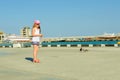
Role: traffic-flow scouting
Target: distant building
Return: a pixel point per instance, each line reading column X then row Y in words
column 118, row 34
column 14, row 38
column 25, row 32
column 2, row 35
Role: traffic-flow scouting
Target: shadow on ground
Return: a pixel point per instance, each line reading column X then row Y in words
column 29, row 59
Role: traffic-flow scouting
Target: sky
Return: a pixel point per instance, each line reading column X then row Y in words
column 61, row 18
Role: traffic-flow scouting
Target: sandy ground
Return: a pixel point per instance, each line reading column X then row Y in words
column 60, row 64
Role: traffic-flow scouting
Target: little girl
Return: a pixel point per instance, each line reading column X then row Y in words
column 36, row 39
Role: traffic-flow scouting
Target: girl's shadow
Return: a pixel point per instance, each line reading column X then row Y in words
column 29, row 59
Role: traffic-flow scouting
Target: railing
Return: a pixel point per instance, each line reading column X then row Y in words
column 114, row 43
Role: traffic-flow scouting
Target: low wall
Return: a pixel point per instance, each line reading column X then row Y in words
column 21, row 45
column 80, row 45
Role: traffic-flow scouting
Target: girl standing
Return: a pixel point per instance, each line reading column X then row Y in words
column 36, row 39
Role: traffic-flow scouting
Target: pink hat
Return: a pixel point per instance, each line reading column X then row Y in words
column 36, row 22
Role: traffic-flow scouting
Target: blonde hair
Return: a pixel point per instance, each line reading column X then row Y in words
column 34, row 25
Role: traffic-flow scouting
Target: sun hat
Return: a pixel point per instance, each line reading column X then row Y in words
column 36, row 22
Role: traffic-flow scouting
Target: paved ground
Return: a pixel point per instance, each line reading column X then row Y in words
column 60, row 64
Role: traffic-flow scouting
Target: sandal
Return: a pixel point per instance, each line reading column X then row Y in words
column 36, row 61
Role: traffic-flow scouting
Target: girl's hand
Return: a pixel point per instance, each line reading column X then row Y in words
column 40, row 35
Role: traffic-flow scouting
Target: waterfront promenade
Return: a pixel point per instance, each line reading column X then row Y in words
column 60, row 64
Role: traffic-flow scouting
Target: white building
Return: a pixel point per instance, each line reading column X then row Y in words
column 25, row 32
column 14, row 38
column 2, row 35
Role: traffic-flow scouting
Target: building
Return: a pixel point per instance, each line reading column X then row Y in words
column 25, row 32
column 14, row 38
column 2, row 35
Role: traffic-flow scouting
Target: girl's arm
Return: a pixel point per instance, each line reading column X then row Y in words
column 33, row 33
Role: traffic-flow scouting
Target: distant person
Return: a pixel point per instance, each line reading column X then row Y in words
column 81, row 49
column 36, row 34
column 84, row 50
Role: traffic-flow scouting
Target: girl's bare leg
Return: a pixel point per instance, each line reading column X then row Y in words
column 35, row 52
